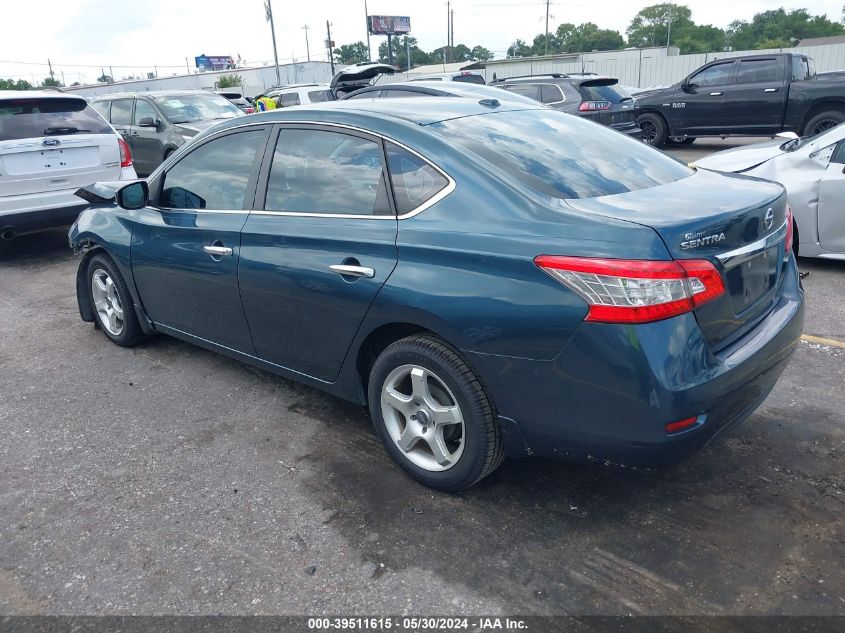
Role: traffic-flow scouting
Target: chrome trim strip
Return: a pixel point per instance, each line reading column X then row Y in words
column 449, row 188
column 744, row 253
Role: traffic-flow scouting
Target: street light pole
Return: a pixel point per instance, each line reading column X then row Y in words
column 268, row 9
column 367, row 19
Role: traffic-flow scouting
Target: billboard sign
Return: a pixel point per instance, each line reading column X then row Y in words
column 389, row 24
column 214, row 62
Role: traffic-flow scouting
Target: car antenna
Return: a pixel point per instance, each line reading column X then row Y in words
column 490, row 103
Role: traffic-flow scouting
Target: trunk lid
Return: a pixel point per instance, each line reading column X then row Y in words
column 51, row 143
column 741, row 232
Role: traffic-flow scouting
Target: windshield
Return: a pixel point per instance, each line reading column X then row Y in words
column 190, row 108
column 36, row 117
column 562, row 156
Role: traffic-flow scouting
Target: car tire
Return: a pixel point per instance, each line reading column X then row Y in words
column 433, row 415
column 112, row 305
column 655, row 130
column 823, row 121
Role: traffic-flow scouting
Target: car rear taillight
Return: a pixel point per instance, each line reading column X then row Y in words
column 635, row 291
column 125, row 154
column 593, row 106
column 790, row 233
column 249, row 110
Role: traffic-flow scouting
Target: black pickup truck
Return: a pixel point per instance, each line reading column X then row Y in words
column 759, row 95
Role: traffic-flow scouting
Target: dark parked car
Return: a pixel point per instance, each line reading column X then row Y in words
column 759, row 95
column 435, row 89
column 155, row 124
column 593, row 97
column 485, row 288
column 239, row 100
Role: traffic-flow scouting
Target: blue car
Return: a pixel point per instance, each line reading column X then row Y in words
column 492, row 279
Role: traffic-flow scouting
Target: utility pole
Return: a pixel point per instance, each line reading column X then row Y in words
column 669, row 28
column 51, row 68
column 408, row 52
column 187, row 67
column 547, row 27
column 268, row 11
column 111, row 74
column 307, row 48
column 329, row 44
column 448, row 30
column 367, row 19
column 452, row 34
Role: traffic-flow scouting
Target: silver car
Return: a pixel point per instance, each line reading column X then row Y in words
column 813, row 172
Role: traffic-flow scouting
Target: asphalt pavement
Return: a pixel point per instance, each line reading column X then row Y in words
column 167, row 479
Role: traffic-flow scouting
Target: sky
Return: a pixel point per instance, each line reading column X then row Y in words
column 138, row 36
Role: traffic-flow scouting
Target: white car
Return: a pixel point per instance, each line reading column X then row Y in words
column 813, row 171
column 51, row 144
column 347, row 79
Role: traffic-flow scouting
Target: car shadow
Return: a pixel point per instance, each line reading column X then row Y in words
column 36, row 248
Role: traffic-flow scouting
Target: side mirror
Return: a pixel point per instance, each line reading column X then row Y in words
column 134, row 195
column 147, row 121
column 686, row 86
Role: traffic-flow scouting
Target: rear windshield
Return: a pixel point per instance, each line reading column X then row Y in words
column 470, row 79
column 603, row 92
column 316, row 96
column 37, row 117
column 562, row 156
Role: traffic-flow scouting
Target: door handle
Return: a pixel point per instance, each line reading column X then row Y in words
column 352, row 271
column 217, row 251
column 770, row 90
column 715, row 94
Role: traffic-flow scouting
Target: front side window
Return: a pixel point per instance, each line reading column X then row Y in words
column 317, row 171
column 144, row 110
column 717, row 75
column 102, row 107
column 287, row 99
column 752, row 71
column 839, row 154
column 121, row 111
column 215, row 175
column 532, row 91
column 414, row 180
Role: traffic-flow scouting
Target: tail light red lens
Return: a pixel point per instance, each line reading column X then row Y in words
column 125, row 154
column 593, row 106
column 790, row 230
column 635, row 291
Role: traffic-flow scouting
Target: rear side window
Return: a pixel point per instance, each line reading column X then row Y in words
column 317, row 96
column 121, row 111
column 414, row 180
column 288, row 99
column 532, row 91
column 470, row 79
column 800, row 69
column 317, row 171
column 34, row 118
column 214, row 175
column 752, row 71
column 602, row 92
column 561, row 156
column 551, row 93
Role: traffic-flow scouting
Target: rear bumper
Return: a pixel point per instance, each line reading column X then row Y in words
column 609, row 395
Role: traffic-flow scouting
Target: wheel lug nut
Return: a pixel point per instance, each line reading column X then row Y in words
column 425, row 429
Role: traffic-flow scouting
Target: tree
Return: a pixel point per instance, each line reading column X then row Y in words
column 481, row 54
column 229, row 81
column 519, row 49
column 11, row 84
column 779, row 28
column 418, row 56
column 351, row 53
column 50, row 82
column 650, row 27
column 105, row 79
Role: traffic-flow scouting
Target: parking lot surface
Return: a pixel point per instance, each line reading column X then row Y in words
column 167, row 479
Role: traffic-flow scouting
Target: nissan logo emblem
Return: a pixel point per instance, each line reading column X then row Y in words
column 51, row 142
column 769, row 219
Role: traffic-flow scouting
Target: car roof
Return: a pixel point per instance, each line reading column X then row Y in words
column 451, row 88
column 152, row 93
column 574, row 78
column 39, row 94
column 418, row 110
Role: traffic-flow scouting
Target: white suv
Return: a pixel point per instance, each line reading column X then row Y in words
column 51, row 144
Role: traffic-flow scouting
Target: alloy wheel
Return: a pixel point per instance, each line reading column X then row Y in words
column 824, row 124
column 649, row 131
column 423, row 417
column 107, row 302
